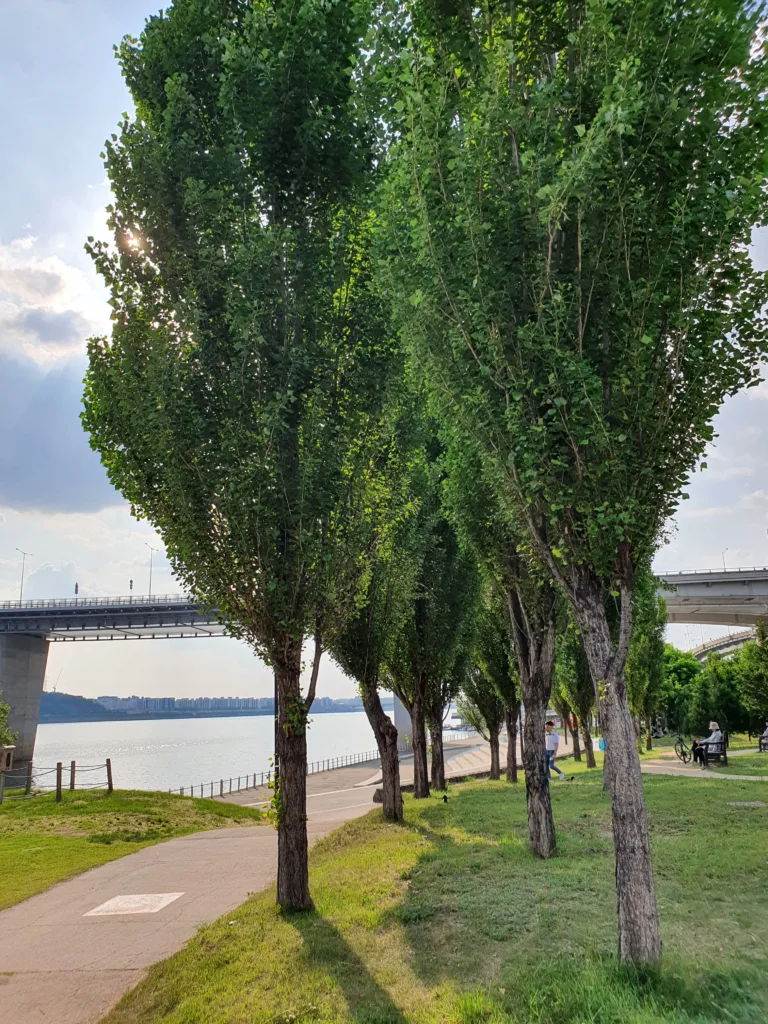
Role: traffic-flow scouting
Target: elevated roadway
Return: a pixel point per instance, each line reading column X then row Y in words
column 731, row 597
column 716, row 597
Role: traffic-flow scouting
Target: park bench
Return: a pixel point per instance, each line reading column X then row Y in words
column 716, row 752
column 763, row 744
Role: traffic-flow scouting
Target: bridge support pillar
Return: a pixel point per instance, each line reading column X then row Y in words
column 402, row 722
column 22, row 674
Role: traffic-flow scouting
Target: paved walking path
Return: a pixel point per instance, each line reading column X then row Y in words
column 59, row 965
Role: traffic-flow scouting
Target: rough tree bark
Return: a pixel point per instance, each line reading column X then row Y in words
column 419, row 744
column 495, row 772
column 386, row 740
column 575, row 734
column 511, row 715
column 535, row 651
column 291, row 739
column 639, row 939
column 435, row 719
column 588, row 747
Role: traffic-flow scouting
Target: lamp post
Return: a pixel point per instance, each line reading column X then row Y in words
column 722, row 555
column 24, row 556
column 151, row 554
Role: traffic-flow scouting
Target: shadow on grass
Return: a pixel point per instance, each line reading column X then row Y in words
column 326, row 949
column 532, row 942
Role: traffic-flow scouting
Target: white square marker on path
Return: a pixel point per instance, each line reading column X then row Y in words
column 144, row 903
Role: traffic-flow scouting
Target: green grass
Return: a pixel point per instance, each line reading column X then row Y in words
column 54, row 841
column 746, row 764
column 447, row 919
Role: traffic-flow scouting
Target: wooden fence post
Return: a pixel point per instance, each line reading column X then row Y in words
column 59, row 768
column 2, row 785
column 28, row 783
column 109, row 775
column 72, row 777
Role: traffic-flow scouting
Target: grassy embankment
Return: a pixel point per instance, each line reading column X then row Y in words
column 448, row 920
column 54, row 841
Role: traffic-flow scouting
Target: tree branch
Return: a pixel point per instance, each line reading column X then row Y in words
column 315, row 669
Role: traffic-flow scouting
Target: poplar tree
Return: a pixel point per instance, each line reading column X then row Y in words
column 236, row 404
column 572, row 194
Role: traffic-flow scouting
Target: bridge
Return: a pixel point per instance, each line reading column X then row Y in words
column 731, row 597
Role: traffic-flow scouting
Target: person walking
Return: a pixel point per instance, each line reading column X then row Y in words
column 552, row 742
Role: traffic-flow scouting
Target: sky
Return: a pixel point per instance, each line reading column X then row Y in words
column 61, row 95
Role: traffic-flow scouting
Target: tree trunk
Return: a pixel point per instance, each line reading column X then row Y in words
column 648, row 736
column 435, row 717
column 535, row 651
column 495, row 764
column 521, row 731
column 511, row 716
column 638, row 926
column 292, row 863
column 588, row 748
column 419, row 744
column 386, row 740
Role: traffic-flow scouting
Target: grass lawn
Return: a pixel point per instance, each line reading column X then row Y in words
column 54, row 841
column 746, row 764
column 447, row 919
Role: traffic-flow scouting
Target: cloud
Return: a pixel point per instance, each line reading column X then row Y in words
column 47, row 306
column 46, row 463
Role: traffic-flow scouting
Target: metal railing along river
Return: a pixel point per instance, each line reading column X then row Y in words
column 257, row 780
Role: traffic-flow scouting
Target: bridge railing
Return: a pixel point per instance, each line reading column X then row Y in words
column 97, row 602
column 710, row 572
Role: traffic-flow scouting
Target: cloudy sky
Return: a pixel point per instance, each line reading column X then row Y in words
column 61, row 94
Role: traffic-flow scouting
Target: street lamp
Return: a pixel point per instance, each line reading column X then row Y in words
column 723, row 558
column 151, row 554
column 24, row 556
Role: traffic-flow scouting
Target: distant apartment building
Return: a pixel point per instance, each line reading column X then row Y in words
column 138, row 705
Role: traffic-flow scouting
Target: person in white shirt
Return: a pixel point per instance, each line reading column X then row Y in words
column 553, row 742
column 715, row 737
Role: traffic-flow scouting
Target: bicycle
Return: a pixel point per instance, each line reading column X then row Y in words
column 683, row 751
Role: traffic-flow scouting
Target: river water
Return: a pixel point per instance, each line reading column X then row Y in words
column 169, row 753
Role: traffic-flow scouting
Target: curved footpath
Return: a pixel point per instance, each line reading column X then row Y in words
column 61, row 962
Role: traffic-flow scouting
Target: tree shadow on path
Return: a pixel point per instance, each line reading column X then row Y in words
column 327, row 950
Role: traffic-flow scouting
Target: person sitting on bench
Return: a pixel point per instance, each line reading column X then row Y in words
column 715, row 737
column 763, row 744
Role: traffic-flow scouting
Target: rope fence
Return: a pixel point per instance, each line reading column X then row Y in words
column 23, row 782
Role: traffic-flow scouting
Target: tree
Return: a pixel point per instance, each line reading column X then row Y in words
column 716, row 695
column 645, row 661
column 7, row 738
column 237, row 403
column 679, row 679
column 573, row 678
column 753, row 674
column 488, row 691
column 571, row 199
column 431, row 639
column 528, row 602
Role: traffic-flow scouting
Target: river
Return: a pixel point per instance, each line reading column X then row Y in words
column 169, row 753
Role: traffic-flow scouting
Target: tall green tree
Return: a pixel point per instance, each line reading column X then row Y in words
column 489, row 695
column 573, row 678
column 432, row 638
column 529, row 604
column 237, row 403
column 716, row 695
column 680, row 678
column 572, row 196
column 645, row 660
column 753, row 675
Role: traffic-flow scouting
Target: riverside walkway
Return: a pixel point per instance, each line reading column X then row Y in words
column 60, row 962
